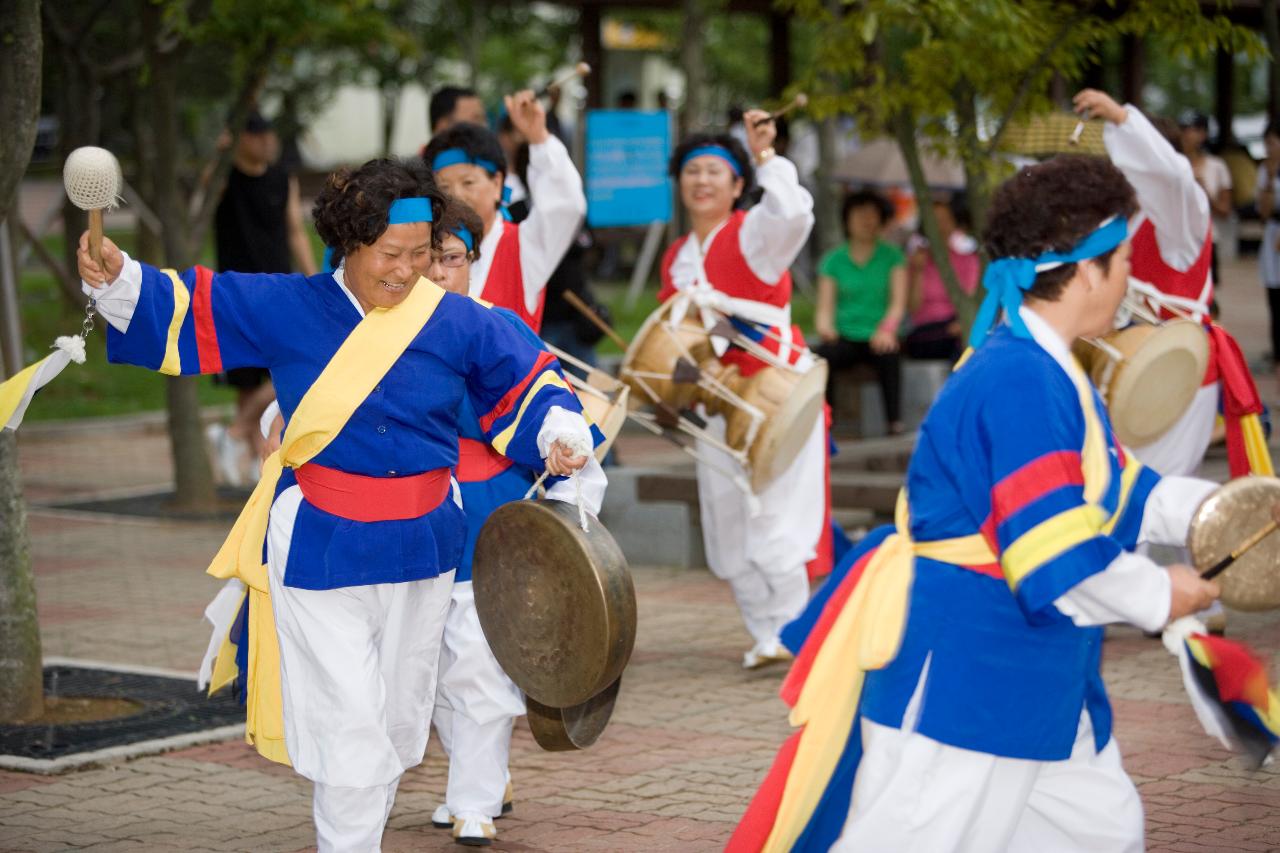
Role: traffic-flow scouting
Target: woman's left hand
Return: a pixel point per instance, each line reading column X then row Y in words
column 884, row 342
column 561, row 461
column 759, row 137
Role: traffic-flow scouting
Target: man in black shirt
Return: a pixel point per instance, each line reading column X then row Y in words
column 257, row 228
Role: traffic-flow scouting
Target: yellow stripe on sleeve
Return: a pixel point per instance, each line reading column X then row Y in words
column 548, row 378
column 1048, row 539
column 1128, row 477
column 172, row 364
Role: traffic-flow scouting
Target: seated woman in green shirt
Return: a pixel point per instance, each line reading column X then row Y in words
column 862, row 298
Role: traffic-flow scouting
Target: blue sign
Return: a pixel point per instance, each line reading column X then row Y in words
column 627, row 153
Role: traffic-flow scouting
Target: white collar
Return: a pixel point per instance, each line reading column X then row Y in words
column 1048, row 339
column 342, row 285
column 488, row 246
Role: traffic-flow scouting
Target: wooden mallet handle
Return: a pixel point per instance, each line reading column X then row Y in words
column 1258, row 535
column 582, row 69
column 586, row 311
column 798, row 102
column 95, row 237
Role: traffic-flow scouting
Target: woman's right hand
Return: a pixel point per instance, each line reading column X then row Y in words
column 826, row 332
column 112, row 262
column 1189, row 593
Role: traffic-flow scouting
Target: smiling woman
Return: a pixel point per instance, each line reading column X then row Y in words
column 355, row 513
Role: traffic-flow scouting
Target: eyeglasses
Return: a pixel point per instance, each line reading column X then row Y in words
column 451, row 259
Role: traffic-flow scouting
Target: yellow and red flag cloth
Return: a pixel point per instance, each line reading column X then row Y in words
column 1232, row 695
column 804, row 800
column 1247, row 451
column 17, row 391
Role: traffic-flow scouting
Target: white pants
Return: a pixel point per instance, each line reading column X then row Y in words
column 915, row 795
column 1179, row 452
column 358, row 679
column 476, row 707
column 763, row 554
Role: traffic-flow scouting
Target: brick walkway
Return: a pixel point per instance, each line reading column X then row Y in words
column 692, row 736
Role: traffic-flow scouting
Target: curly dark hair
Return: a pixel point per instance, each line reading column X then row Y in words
column 865, row 198
column 1052, row 206
column 724, row 140
column 477, row 141
column 458, row 214
column 352, row 209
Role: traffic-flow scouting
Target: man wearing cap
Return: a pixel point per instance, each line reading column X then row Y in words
column 515, row 260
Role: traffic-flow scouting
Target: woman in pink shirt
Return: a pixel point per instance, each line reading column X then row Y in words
column 935, row 330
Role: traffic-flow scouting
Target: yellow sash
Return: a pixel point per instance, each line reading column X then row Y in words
column 364, row 358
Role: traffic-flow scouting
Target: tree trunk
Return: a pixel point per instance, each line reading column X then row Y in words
column 21, row 691
column 193, row 476
column 694, row 64
column 1271, row 31
column 390, row 98
column 904, row 128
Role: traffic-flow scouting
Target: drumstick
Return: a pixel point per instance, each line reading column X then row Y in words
column 1074, row 138
column 586, row 311
column 1258, row 535
column 798, row 102
column 582, row 69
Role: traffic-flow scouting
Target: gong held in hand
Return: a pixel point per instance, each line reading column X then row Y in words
column 92, row 179
column 558, row 609
column 1232, row 540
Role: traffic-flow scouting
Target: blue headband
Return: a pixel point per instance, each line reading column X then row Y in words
column 1006, row 279
column 456, row 156
column 404, row 210
column 714, row 151
column 464, row 234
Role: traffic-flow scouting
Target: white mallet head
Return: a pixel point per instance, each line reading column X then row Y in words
column 92, row 178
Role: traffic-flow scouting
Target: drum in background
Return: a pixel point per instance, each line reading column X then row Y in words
column 1222, row 523
column 556, row 603
column 604, row 398
column 768, row 415
column 1148, row 375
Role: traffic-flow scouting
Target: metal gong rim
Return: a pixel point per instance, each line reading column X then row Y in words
column 576, row 727
column 1223, row 521
column 557, row 605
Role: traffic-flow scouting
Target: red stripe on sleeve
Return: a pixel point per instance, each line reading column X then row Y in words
column 508, row 402
column 206, row 334
column 1032, row 482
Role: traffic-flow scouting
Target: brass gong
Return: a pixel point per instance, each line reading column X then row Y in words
column 556, row 604
column 1223, row 522
column 576, row 727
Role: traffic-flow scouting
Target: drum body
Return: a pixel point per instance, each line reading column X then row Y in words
column 768, row 415
column 1222, row 523
column 1151, row 380
column 556, row 604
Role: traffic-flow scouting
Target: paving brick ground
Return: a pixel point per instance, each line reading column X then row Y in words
column 692, row 736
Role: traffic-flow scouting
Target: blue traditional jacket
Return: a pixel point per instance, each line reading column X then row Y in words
column 1000, row 454
column 202, row 322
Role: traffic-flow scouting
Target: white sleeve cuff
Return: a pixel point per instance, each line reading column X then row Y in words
column 1167, row 516
column 268, row 418
column 1131, row 589
column 568, row 428
column 591, row 479
column 117, row 300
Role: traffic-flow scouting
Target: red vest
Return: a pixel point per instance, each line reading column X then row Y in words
column 728, row 271
column 1148, row 265
column 504, row 285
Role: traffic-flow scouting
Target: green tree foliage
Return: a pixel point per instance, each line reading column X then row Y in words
column 953, row 74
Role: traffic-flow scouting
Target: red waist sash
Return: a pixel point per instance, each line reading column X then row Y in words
column 477, row 461
column 361, row 498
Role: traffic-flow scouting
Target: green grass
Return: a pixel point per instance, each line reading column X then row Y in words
column 97, row 388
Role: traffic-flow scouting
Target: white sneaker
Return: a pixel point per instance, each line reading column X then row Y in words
column 441, row 818
column 474, row 830
column 226, row 455
column 764, row 653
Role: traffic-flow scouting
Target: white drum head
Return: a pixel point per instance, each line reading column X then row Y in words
column 783, row 436
column 1154, row 386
